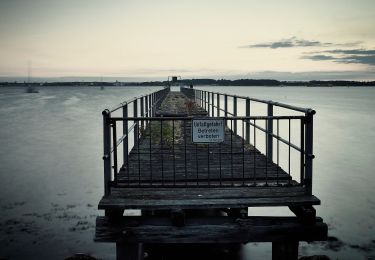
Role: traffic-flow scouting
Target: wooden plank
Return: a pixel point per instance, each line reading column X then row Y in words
column 219, row 193
column 179, row 198
column 210, row 230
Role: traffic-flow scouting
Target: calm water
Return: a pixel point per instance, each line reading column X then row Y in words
column 51, row 169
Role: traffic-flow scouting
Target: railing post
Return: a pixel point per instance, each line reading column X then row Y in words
column 226, row 105
column 309, row 152
column 114, row 142
column 205, row 100
column 213, row 104
column 107, row 151
column 136, row 126
column 153, row 104
column 125, row 127
column 150, row 105
column 142, row 111
column 235, row 113
column 218, row 105
column 269, row 132
column 208, row 103
column 146, row 107
column 247, row 130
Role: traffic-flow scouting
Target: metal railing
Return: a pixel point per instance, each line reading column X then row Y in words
column 211, row 102
column 163, row 154
column 143, row 106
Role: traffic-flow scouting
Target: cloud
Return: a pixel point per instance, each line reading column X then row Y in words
column 295, row 42
column 288, row 43
column 359, row 56
column 353, row 52
column 318, row 57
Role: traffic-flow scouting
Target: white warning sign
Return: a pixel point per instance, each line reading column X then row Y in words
column 208, row 130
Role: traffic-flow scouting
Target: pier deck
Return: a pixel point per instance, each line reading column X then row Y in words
column 199, row 192
column 166, row 170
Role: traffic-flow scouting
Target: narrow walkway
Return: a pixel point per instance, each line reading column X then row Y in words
column 167, row 170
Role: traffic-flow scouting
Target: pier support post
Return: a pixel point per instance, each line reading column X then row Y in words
column 285, row 250
column 127, row 251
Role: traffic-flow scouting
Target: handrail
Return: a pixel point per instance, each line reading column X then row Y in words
column 279, row 104
column 210, row 100
column 192, row 117
column 143, row 115
column 115, row 108
column 148, row 104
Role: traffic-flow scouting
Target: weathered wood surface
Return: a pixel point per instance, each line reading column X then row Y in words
column 168, row 156
column 136, row 199
column 175, row 104
column 215, row 230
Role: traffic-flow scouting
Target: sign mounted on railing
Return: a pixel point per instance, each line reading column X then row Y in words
column 207, row 130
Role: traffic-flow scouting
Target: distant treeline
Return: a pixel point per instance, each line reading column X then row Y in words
column 212, row 82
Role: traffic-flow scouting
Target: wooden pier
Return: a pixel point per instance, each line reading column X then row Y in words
column 172, row 179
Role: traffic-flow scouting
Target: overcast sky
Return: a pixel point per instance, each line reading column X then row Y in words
column 195, row 38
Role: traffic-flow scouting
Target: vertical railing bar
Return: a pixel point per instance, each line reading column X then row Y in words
column 213, row 104
column 209, row 103
column 150, row 127
column 302, row 160
column 135, row 114
column 185, row 138
column 226, row 105
column 205, row 100
column 136, row 127
column 218, row 104
column 270, row 132
column 289, row 151
column 220, row 163
column 196, row 162
column 146, row 107
column 247, row 136
column 267, row 141
column 139, row 161
column 278, row 153
column 114, row 140
column 235, row 113
column 255, row 145
column 174, row 160
column 125, row 145
column 231, row 149
column 208, row 163
column 107, row 151
column 309, row 152
column 243, row 154
column 142, row 111
column 161, row 152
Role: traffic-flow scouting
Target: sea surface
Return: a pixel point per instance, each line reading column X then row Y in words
column 51, row 172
